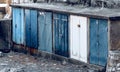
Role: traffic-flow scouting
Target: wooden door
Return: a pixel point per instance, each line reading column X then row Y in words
column 98, row 41
column 31, row 28
column 45, row 31
column 78, row 38
column 61, row 34
column 18, row 25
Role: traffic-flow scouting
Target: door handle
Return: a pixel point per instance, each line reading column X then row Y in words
column 78, row 25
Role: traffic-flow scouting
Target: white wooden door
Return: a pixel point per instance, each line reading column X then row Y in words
column 78, row 38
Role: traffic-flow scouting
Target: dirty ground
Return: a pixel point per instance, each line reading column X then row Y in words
column 18, row 62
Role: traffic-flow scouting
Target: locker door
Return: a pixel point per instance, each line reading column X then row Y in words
column 94, row 41
column 45, row 31
column 103, row 42
column 78, row 30
column 61, row 34
column 34, row 37
column 14, row 25
column 28, row 28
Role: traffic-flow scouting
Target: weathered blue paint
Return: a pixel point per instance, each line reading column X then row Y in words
column 98, row 41
column 14, row 24
column 103, row 42
column 31, row 28
column 28, row 28
column 34, row 36
column 22, row 27
column 93, row 41
column 45, row 31
column 61, row 34
column 18, row 25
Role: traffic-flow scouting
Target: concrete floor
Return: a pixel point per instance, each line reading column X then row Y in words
column 18, row 62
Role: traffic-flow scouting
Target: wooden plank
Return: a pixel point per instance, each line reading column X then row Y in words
column 34, row 35
column 94, row 41
column 103, row 42
column 27, row 28
column 13, row 26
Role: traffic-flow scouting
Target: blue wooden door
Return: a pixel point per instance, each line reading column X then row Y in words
column 61, row 34
column 98, row 42
column 31, row 28
column 45, row 31
column 18, row 25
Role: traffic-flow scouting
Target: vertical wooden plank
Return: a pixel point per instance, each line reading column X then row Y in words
column 41, row 22
column 22, row 32
column 74, row 37
column 103, row 42
column 48, row 32
column 83, row 39
column 56, row 31
column 61, row 34
column 33, row 21
column 28, row 28
column 14, row 24
column 18, row 27
column 65, row 35
column 93, row 41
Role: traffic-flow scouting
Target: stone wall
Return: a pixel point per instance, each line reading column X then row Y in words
column 93, row 3
column 115, row 35
column 113, row 61
column 105, row 3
